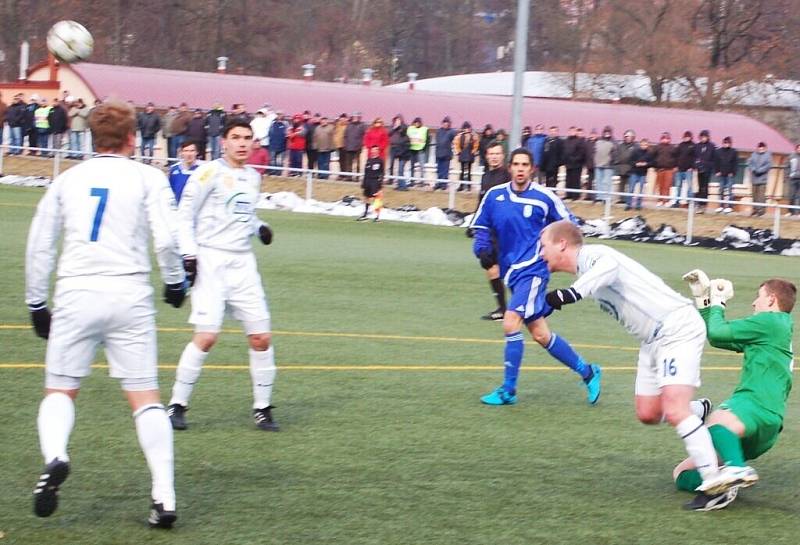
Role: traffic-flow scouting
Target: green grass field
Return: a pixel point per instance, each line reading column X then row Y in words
column 383, row 439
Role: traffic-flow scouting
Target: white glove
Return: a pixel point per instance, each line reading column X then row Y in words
column 721, row 291
column 698, row 285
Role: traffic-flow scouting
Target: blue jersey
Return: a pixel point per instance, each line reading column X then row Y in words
column 178, row 175
column 515, row 221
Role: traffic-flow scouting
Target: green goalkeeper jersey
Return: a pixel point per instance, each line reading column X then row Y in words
column 766, row 340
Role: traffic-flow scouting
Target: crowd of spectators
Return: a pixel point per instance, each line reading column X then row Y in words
column 314, row 141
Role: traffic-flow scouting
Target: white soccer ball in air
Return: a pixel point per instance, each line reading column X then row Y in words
column 70, row 42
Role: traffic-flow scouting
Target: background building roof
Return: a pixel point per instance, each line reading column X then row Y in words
column 201, row 90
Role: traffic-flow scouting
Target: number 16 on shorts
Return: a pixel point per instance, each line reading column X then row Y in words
column 669, row 367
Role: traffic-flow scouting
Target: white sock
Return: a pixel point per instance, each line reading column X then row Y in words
column 698, row 444
column 697, row 408
column 55, row 421
column 155, row 438
column 262, row 371
column 189, row 367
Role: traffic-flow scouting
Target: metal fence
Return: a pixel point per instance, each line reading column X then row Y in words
column 612, row 201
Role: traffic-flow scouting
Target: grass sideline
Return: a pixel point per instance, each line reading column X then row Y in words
column 384, row 440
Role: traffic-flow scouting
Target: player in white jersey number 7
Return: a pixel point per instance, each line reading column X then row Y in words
column 671, row 333
column 105, row 208
column 216, row 220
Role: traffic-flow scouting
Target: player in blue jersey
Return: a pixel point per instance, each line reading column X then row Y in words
column 179, row 172
column 514, row 214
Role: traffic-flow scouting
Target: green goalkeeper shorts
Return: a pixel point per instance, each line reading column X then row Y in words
column 761, row 427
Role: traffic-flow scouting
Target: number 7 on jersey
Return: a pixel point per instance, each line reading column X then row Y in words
column 102, row 193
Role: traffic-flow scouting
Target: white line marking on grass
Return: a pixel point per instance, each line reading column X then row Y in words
column 369, row 367
column 383, row 337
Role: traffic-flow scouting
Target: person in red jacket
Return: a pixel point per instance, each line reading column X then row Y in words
column 296, row 142
column 377, row 135
column 258, row 156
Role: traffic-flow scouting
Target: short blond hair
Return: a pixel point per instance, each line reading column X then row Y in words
column 565, row 230
column 111, row 124
column 784, row 292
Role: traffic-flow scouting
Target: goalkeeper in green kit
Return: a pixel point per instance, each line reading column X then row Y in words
column 747, row 424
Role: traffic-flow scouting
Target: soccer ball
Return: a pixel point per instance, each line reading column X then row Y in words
column 69, row 41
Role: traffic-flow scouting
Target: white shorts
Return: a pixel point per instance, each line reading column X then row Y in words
column 116, row 313
column 228, row 281
column 673, row 357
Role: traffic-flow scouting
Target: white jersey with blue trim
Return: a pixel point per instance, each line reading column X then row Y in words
column 218, row 208
column 107, row 208
column 515, row 220
column 626, row 290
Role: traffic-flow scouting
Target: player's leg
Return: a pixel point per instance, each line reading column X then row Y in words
column 560, row 349
column 512, row 360
column 248, row 304
column 131, row 349
column 74, row 335
column 208, row 311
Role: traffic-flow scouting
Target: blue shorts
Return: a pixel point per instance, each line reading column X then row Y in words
column 527, row 298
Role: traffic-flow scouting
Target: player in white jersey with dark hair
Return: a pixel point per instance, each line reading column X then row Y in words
column 106, row 208
column 216, row 220
column 671, row 332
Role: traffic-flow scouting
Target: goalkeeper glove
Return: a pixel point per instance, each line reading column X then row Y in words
column 40, row 318
column 487, row 259
column 265, row 234
column 698, row 285
column 190, row 266
column 174, row 294
column 559, row 298
column 721, row 291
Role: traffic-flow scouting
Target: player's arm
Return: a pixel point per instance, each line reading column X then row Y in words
column 169, row 260
column 734, row 333
column 40, row 258
column 602, row 272
column 557, row 210
column 197, row 189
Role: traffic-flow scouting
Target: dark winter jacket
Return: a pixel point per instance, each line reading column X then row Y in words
column 149, row 124
column 574, row 156
column 196, row 129
column 622, row 157
column 354, row 136
column 665, row 156
column 552, row 153
column 15, row 116
column 640, row 155
column 686, row 156
column 215, row 122
column 704, row 156
column 727, row 161
column 277, row 137
column 58, row 120
column 444, row 143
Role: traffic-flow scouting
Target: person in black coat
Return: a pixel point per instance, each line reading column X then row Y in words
column 574, row 158
column 727, row 162
column 641, row 160
column 552, row 156
column 704, row 160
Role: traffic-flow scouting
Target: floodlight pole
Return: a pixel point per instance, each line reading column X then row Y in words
column 520, row 64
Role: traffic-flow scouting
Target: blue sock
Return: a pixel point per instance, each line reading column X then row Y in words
column 515, row 347
column 563, row 352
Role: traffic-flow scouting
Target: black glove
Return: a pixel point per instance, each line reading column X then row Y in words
column 487, row 259
column 174, row 294
column 40, row 317
column 559, row 298
column 190, row 266
column 470, row 232
column 265, row 234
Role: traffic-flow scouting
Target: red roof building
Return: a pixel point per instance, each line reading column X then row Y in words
column 201, row 90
